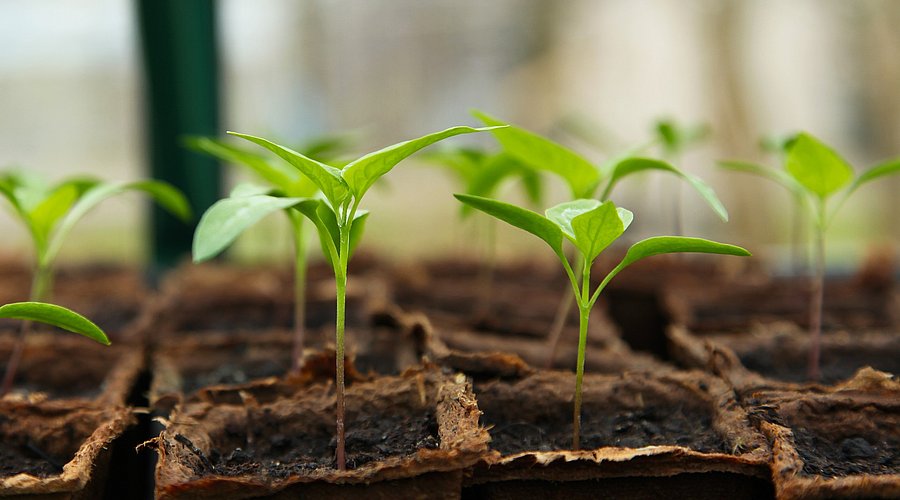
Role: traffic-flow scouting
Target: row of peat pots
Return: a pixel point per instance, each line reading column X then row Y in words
column 695, row 387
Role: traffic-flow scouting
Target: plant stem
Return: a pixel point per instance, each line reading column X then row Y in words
column 584, row 308
column 300, row 264
column 818, row 298
column 341, row 282
column 40, row 287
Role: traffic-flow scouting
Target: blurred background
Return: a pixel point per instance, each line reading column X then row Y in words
column 593, row 74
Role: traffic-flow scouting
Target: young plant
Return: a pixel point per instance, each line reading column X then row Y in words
column 815, row 173
column 337, row 218
column 591, row 226
column 585, row 180
column 50, row 212
column 675, row 139
column 283, row 181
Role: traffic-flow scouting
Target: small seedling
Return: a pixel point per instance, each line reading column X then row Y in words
column 338, row 220
column 591, row 226
column 283, row 181
column 675, row 139
column 50, row 212
column 815, row 173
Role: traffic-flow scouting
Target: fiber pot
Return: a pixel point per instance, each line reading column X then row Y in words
column 408, row 436
column 58, row 452
column 844, row 443
column 643, row 435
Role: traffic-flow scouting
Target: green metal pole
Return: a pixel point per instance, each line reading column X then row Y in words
column 180, row 58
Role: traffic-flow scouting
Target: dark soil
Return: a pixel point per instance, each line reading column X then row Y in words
column 30, row 459
column 653, row 425
column 835, row 365
column 829, row 457
column 272, row 454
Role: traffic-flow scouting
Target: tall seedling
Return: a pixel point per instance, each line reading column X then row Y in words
column 338, row 220
column 591, row 226
column 283, row 181
column 815, row 173
column 50, row 212
column 675, row 139
column 585, row 180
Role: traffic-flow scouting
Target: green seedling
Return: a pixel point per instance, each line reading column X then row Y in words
column 590, row 226
column 586, row 180
column 481, row 173
column 50, row 212
column 336, row 215
column 816, row 173
column 282, row 181
column 675, row 139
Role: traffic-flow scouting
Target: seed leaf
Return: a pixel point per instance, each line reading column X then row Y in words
column 519, row 217
column 54, row 315
column 327, row 178
column 543, row 154
column 886, row 168
column 816, row 166
column 362, row 173
column 676, row 244
column 226, row 219
column 630, row 166
column 596, row 229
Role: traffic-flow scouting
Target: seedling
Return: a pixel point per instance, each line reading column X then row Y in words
column 675, row 139
column 591, row 226
column 283, row 181
column 50, row 212
column 815, row 173
column 338, row 220
column 584, row 180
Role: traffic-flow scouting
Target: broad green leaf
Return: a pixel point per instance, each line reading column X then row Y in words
column 362, row 173
column 273, row 173
column 816, row 166
column 887, row 168
column 562, row 214
column 778, row 176
column 167, row 196
column 326, row 177
column 677, row 244
column 596, row 229
column 543, row 154
column 54, row 315
column 226, row 219
column 519, row 217
column 630, row 166
column 249, row 189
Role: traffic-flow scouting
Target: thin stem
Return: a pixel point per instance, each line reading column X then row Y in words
column 40, row 288
column 300, row 265
column 798, row 256
column 341, row 282
column 818, row 299
column 585, row 312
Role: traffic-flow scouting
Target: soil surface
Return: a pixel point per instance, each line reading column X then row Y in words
column 29, row 459
column 824, row 456
column 834, row 365
column 275, row 455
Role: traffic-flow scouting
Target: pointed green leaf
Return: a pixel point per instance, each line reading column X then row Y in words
column 167, row 196
column 326, row 177
column 543, row 154
column 519, row 217
column 816, row 166
column 886, row 168
column 596, row 229
column 362, row 173
column 250, row 189
column 47, row 213
column 276, row 174
column 54, row 315
column 780, row 177
column 630, row 166
column 676, row 244
column 562, row 214
column 226, row 219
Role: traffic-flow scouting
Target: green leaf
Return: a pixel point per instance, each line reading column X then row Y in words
column 886, row 168
column 327, row 178
column 226, row 219
column 816, row 166
column 327, row 228
column 276, row 174
column 677, row 244
column 562, row 214
column 596, row 229
column 676, row 138
column 362, row 173
column 167, row 196
column 54, row 315
column 778, row 176
column 630, row 166
column 543, row 154
column 47, row 213
column 250, row 189
column 519, row 217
